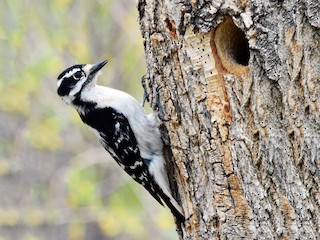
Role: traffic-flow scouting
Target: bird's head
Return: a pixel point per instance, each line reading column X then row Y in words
column 76, row 78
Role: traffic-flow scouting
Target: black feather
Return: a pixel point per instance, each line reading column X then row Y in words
column 119, row 140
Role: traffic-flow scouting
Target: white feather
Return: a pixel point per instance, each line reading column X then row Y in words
column 144, row 127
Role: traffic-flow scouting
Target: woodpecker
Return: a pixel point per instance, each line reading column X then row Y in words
column 123, row 128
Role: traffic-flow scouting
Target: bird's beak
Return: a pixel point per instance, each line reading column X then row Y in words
column 96, row 68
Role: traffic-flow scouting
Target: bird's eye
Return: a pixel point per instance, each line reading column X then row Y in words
column 78, row 75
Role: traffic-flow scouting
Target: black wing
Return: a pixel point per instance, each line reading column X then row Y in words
column 119, row 140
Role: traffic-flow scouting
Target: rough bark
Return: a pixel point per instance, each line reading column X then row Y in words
column 238, row 83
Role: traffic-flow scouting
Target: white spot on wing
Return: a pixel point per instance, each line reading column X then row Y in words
column 136, row 164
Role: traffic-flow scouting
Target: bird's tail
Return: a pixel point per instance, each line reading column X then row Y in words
column 172, row 204
column 156, row 168
column 162, row 195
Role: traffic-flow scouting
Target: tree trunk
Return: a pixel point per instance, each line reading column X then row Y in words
column 238, row 85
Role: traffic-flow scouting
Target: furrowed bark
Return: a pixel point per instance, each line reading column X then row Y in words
column 239, row 85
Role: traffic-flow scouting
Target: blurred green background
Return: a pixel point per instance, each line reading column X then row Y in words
column 56, row 181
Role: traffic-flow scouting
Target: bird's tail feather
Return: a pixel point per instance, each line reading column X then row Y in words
column 172, row 204
column 175, row 208
column 164, row 196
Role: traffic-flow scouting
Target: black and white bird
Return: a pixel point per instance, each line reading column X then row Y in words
column 130, row 136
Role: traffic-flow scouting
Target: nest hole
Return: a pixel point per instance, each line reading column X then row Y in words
column 232, row 45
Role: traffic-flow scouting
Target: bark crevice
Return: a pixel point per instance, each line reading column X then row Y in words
column 244, row 134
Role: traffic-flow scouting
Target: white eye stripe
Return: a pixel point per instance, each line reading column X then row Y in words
column 59, row 82
column 71, row 72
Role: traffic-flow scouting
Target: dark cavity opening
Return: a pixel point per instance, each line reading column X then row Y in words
column 232, row 43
